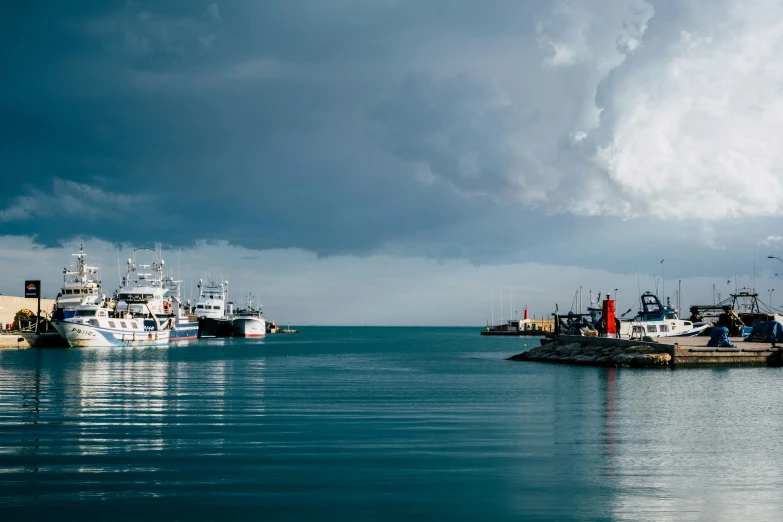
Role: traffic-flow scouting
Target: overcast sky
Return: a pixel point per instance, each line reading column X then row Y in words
column 398, row 162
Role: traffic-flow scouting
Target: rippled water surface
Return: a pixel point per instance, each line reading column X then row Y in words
column 380, row 424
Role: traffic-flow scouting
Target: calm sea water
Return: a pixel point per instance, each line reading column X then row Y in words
column 380, row 424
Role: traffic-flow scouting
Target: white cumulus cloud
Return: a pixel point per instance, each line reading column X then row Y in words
column 692, row 126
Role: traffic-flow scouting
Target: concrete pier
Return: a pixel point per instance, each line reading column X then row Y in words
column 49, row 339
column 664, row 352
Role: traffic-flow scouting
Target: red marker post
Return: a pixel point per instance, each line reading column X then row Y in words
column 607, row 315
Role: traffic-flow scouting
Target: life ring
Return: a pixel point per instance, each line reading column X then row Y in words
column 149, row 337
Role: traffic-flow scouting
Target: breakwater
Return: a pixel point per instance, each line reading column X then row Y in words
column 663, row 353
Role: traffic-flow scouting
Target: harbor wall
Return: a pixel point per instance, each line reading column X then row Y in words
column 665, row 353
column 599, row 351
column 10, row 305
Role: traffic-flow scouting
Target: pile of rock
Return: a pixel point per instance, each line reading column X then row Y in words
column 598, row 354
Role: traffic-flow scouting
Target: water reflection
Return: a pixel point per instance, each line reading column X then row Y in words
column 611, row 439
column 31, row 409
column 695, row 445
column 107, row 412
column 342, row 427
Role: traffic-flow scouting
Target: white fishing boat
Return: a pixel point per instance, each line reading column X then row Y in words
column 94, row 326
column 249, row 322
column 212, row 311
column 657, row 320
column 145, row 312
column 80, row 287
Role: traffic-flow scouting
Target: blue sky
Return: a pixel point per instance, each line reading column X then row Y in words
column 363, row 163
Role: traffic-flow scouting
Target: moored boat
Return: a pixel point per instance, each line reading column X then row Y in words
column 211, row 309
column 146, row 312
column 94, row 326
column 657, row 320
column 249, row 322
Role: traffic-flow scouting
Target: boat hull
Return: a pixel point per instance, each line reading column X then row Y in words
column 80, row 335
column 211, row 327
column 627, row 330
column 697, row 330
column 249, row 327
column 184, row 331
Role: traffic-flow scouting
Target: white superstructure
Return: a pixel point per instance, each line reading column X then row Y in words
column 211, row 302
column 80, row 286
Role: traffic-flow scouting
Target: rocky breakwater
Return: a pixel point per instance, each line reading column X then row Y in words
column 599, row 352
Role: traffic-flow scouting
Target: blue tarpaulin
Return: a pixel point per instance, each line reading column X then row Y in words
column 767, row 332
column 719, row 337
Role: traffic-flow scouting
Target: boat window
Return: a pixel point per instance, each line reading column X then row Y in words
column 664, row 328
column 651, row 328
column 112, row 324
column 84, row 313
column 94, row 322
column 688, row 323
column 671, row 316
column 123, row 325
column 66, row 292
column 133, row 325
column 102, row 313
column 199, row 306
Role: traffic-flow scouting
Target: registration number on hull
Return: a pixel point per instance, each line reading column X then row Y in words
column 79, row 331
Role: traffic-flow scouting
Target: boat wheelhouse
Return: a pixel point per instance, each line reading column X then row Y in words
column 80, row 287
column 211, row 300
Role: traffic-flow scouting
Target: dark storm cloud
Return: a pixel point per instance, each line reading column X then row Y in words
column 439, row 129
column 242, row 122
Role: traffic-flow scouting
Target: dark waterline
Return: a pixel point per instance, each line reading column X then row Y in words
column 380, row 424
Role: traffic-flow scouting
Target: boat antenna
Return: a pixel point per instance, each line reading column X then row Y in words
column 638, row 286
column 663, row 280
column 492, row 304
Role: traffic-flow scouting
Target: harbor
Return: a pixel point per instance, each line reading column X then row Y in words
column 146, row 310
column 658, row 338
column 524, row 326
column 663, row 353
